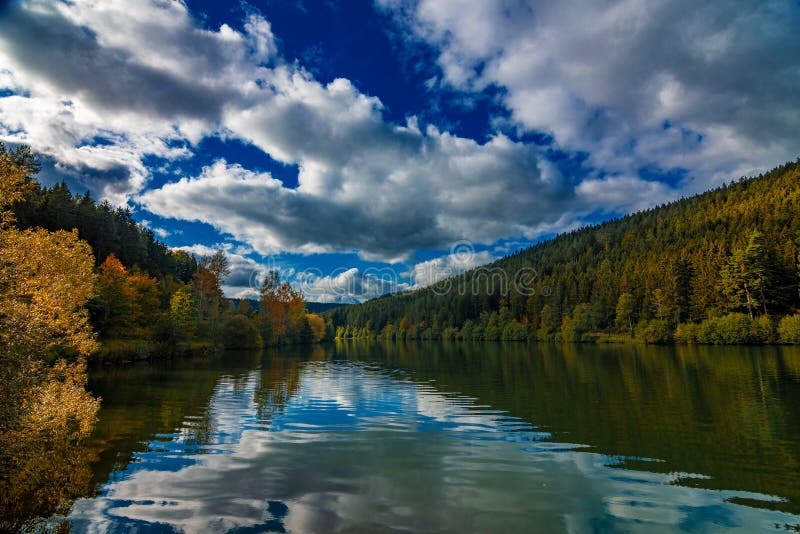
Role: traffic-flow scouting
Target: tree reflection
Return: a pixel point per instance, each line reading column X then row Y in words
column 726, row 413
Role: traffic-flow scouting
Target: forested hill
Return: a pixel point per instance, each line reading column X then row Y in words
column 730, row 251
column 107, row 229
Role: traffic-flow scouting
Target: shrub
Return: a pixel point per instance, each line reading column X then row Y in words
column 492, row 332
column 166, row 334
column 731, row 329
column 687, row 333
column 762, row 330
column 655, row 331
column 573, row 328
column 238, row 332
column 466, row 329
column 515, row 331
column 789, row 329
column 450, row 333
column 477, row 332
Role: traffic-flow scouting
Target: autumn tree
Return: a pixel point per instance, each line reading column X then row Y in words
column 46, row 278
column 207, row 282
column 127, row 304
column 282, row 311
column 184, row 312
column 317, row 325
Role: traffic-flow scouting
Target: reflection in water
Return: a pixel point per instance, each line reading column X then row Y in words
column 451, row 437
column 437, row 437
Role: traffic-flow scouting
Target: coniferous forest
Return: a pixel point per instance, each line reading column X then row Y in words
column 718, row 268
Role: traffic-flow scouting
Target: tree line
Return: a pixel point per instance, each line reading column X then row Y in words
column 151, row 300
column 719, row 267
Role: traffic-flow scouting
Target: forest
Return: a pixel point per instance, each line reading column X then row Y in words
column 147, row 299
column 718, row 268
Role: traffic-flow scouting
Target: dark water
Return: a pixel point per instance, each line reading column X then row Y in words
column 451, row 438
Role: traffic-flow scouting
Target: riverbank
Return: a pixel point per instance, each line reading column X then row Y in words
column 113, row 351
column 729, row 329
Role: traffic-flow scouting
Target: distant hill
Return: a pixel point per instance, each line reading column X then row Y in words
column 732, row 249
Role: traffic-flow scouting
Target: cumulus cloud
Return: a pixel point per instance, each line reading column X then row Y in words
column 98, row 87
column 412, row 190
column 349, row 285
column 143, row 77
column 343, row 285
column 706, row 86
column 461, row 259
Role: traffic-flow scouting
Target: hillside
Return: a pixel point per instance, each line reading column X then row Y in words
column 732, row 250
column 107, row 229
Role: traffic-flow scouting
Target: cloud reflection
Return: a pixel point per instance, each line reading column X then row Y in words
column 356, row 447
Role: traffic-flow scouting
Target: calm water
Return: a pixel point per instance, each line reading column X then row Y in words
column 450, row 438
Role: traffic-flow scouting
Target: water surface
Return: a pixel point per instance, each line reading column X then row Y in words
column 450, row 438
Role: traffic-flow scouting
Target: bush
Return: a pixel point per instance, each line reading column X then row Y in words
column 762, row 330
column 450, row 333
column 541, row 334
column 492, row 332
column 731, row 329
column 238, row 332
column 477, row 332
column 466, row 330
column 166, row 334
column 789, row 329
column 654, row 332
column 687, row 333
column 573, row 328
column 515, row 331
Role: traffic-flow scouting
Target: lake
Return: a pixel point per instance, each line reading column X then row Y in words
column 437, row 437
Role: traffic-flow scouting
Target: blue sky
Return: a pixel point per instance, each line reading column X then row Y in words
column 365, row 147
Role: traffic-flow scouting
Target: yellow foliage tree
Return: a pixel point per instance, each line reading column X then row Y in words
column 317, row 324
column 127, row 304
column 46, row 279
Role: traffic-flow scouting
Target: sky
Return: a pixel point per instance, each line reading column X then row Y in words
column 367, row 147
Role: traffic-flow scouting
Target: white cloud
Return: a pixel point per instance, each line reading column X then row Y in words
column 141, row 76
column 343, row 285
column 100, row 86
column 458, row 261
column 633, row 82
column 160, row 232
column 400, row 190
column 349, row 285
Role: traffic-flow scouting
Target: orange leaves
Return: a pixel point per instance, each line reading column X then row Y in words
column 317, row 325
column 283, row 307
column 129, row 301
column 45, row 280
